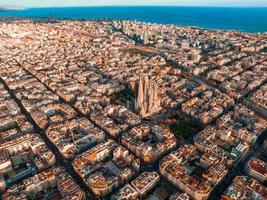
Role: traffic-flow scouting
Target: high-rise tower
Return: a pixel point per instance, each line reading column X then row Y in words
column 124, row 26
column 145, row 37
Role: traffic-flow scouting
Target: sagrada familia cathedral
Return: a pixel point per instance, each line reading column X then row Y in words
column 147, row 102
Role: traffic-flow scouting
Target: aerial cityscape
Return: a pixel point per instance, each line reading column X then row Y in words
column 128, row 110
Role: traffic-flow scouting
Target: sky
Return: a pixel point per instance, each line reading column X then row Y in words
column 59, row 3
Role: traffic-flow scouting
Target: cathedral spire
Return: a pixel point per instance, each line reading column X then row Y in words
column 147, row 101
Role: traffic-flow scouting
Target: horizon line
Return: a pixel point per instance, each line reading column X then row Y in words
column 157, row 5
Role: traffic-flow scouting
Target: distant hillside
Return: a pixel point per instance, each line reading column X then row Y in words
column 7, row 8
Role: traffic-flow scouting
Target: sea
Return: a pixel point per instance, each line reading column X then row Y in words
column 245, row 19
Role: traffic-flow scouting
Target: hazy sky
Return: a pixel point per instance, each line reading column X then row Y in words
column 47, row 3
